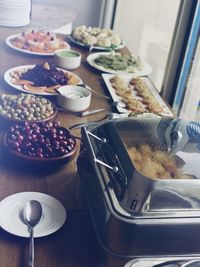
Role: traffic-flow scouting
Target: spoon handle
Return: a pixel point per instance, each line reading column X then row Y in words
column 79, row 125
column 31, row 248
column 92, row 111
column 93, row 91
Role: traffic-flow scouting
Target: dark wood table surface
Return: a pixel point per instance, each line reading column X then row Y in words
column 75, row 244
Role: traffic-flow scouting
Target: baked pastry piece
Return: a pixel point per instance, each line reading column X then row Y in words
column 152, row 104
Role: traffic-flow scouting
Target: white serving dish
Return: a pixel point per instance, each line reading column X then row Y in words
column 74, row 98
column 143, row 68
column 127, row 77
column 67, row 59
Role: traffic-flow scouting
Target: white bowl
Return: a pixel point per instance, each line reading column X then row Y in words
column 73, row 98
column 67, row 59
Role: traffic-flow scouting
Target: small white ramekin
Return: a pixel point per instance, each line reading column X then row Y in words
column 73, row 98
column 67, row 59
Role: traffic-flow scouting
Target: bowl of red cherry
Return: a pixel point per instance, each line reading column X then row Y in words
column 40, row 143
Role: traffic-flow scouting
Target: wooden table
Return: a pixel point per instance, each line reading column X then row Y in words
column 75, row 244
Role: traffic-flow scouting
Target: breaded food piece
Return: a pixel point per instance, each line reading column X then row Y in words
column 156, row 164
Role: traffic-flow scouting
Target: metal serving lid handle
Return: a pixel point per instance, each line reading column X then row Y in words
column 95, row 159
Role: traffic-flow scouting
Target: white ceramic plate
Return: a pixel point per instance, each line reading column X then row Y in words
column 95, row 46
column 11, row 220
column 8, row 79
column 127, row 77
column 9, row 43
column 143, row 71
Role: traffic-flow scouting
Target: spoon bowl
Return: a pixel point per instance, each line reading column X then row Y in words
column 32, row 213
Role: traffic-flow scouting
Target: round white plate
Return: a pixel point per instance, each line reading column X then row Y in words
column 8, row 79
column 9, row 43
column 11, row 219
column 95, row 46
column 146, row 69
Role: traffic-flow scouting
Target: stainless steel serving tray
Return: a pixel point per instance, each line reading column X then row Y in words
column 146, row 217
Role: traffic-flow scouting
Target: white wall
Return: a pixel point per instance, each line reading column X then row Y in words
column 88, row 11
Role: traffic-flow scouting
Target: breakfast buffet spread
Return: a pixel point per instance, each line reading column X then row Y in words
column 35, row 132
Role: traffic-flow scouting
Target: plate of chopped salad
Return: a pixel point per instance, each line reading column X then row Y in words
column 117, row 63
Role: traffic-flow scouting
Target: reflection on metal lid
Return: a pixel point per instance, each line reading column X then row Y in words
column 164, row 262
column 162, row 148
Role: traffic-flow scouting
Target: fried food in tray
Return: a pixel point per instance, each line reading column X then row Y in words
column 155, row 163
column 42, row 78
column 143, row 91
column 136, row 94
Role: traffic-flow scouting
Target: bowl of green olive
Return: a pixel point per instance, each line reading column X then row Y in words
column 25, row 108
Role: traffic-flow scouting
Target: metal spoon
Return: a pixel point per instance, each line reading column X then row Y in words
column 91, row 47
column 92, row 111
column 32, row 213
column 108, row 116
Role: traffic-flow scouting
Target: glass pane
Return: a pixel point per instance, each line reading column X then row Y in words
column 190, row 109
column 147, row 28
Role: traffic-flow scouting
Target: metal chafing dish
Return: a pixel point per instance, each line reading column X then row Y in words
column 164, row 262
column 134, row 212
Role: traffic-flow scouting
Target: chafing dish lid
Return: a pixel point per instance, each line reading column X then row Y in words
column 160, row 161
